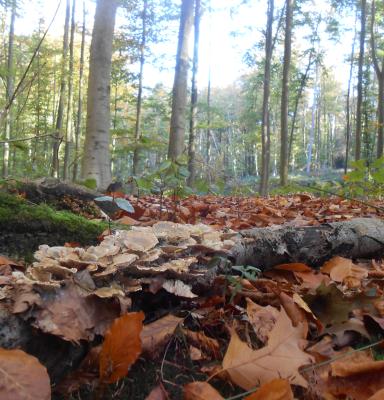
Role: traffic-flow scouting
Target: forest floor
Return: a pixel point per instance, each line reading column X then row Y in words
column 161, row 310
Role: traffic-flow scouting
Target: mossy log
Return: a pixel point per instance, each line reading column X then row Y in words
column 267, row 247
column 24, row 226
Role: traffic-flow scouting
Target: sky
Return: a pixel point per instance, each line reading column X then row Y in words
column 221, row 52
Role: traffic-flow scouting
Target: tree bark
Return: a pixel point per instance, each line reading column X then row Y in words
column 9, row 88
column 79, row 101
column 267, row 247
column 193, row 116
column 265, row 128
column 179, row 94
column 136, row 152
column 60, row 111
column 363, row 7
column 285, row 94
column 68, row 128
column 97, row 157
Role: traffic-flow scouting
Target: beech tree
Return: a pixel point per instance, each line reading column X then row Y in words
column 180, row 85
column 97, row 158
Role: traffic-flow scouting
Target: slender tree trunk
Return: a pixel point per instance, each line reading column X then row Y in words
column 136, row 152
column 97, row 156
column 60, row 111
column 208, row 133
column 348, row 132
column 9, row 88
column 265, row 127
column 363, row 9
column 79, row 102
column 380, row 79
column 303, row 83
column 285, row 94
column 69, row 130
column 193, row 117
column 313, row 125
column 179, row 94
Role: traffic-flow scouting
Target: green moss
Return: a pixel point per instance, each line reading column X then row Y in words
column 24, row 226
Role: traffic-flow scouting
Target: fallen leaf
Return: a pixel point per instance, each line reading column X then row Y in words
column 157, row 394
column 155, row 334
column 277, row 389
column 281, row 358
column 340, row 268
column 121, row 347
column 22, row 377
column 378, row 395
column 201, row 391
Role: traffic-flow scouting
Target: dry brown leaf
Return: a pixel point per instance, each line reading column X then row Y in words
column 262, row 319
column 201, row 391
column 277, row 389
column 121, row 347
column 281, row 358
column 157, row 394
column 294, row 267
column 22, row 377
column 378, row 395
column 209, row 345
column 154, row 335
column 357, row 363
column 74, row 317
column 340, row 268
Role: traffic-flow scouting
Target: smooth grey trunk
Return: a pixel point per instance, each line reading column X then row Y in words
column 9, row 89
column 68, row 129
column 60, row 111
column 97, row 156
column 136, row 153
column 284, row 160
column 313, row 123
column 363, row 9
column 265, row 126
column 303, row 83
column 79, row 102
column 380, row 78
column 180, row 85
column 193, row 116
column 348, row 106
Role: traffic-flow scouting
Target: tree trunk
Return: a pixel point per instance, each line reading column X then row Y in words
column 68, row 130
column 285, row 94
column 136, row 152
column 303, row 83
column 9, row 89
column 348, row 106
column 97, row 157
column 265, row 128
column 363, row 6
column 179, row 94
column 266, row 247
column 79, row 102
column 193, row 120
column 60, row 111
column 208, row 133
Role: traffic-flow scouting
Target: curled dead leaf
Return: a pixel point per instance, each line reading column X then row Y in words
column 201, row 391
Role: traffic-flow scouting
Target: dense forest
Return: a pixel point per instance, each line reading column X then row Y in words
column 287, row 116
column 192, row 199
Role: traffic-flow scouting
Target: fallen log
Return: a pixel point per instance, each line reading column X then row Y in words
column 312, row 245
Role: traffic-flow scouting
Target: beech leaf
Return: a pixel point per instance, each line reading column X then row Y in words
column 22, row 377
column 121, row 347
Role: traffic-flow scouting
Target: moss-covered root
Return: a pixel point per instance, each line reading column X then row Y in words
column 24, row 226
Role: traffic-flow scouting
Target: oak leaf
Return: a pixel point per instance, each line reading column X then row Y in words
column 281, row 358
column 121, row 347
column 22, row 377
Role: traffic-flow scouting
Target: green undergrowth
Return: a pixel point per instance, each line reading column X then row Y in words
column 24, row 226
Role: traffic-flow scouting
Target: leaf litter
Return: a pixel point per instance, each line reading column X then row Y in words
column 287, row 333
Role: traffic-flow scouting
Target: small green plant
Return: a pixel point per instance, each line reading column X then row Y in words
column 366, row 180
column 246, row 272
